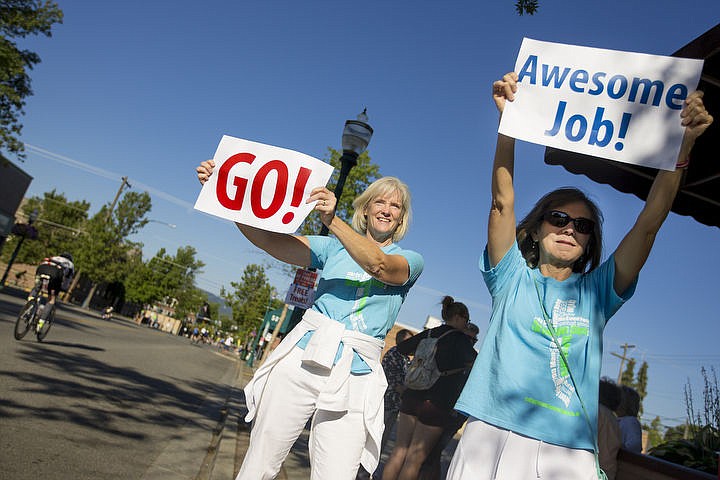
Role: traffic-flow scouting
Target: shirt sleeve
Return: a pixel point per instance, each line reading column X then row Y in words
column 320, row 249
column 495, row 277
column 416, row 264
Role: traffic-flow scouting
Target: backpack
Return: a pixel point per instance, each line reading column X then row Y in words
column 423, row 372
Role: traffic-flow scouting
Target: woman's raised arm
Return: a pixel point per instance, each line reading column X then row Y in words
column 634, row 249
column 501, row 224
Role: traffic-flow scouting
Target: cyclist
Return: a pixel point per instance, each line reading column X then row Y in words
column 61, row 270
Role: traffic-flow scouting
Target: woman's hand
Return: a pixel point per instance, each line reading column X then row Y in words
column 504, row 90
column 695, row 118
column 325, row 205
column 204, row 170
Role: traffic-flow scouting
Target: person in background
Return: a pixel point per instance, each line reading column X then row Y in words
column 394, row 365
column 328, row 367
column 431, row 468
column 627, row 413
column 609, row 436
column 424, row 414
column 551, row 300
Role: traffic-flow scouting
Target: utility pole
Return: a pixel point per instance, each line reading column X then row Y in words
column 622, row 358
column 117, row 195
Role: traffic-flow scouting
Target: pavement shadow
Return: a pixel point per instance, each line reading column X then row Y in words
column 116, row 401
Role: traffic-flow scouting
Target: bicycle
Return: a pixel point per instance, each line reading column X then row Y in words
column 30, row 316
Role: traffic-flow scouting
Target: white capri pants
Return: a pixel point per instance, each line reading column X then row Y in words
column 288, row 402
column 486, row 452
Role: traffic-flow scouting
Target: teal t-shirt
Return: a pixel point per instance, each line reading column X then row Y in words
column 519, row 381
column 348, row 294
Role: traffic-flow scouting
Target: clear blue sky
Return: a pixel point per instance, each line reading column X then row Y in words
column 146, row 89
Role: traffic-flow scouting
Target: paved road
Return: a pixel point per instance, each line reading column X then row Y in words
column 106, row 399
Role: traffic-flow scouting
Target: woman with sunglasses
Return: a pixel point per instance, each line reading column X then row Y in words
column 532, row 396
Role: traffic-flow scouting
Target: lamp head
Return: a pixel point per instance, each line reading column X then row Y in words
column 356, row 135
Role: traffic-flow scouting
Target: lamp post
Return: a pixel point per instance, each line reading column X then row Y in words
column 355, row 139
column 25, row 231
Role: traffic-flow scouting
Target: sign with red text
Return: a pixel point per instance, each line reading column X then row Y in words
column 300, row 296
column 302, row 291
column 261, row 185
column 305, row 277
column 622, row 106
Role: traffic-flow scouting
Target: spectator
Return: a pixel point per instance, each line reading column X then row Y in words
column 424, row 414
column 431, row 468
column 609, row 436
column 627, row 413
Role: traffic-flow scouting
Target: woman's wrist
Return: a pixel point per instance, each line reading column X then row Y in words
column 684, row 163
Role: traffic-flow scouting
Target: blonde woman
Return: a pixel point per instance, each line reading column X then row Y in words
column 328, row 367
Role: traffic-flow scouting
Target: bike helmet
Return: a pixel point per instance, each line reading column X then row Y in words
column 67, row 255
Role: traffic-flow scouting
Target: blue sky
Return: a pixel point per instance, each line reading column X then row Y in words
column 146, row 90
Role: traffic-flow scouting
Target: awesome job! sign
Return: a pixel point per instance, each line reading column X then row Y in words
column 618, row 105
column 261, row 185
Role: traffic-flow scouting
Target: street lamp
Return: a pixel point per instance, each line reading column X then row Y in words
column 355, row 139
column 25, row 231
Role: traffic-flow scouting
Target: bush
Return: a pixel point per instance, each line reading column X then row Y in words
column 700, row 450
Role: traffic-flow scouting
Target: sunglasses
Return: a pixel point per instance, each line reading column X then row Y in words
column 556, row 218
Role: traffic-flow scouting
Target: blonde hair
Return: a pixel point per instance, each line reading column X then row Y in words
column 378, row 188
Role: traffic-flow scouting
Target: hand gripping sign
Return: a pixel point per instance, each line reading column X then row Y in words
column 261, row 185
column 622, row 106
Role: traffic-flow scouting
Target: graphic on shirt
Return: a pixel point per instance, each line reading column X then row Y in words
column 363, row 284
column 566, row 324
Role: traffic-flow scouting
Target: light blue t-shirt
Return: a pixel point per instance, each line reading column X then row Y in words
column 519, row 381
column 348, row 294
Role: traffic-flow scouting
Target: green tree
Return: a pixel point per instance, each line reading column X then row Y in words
column 250, row 299
column 654, row 430
column 104, row 253
column 362, row 175
column 60, row 222
column 18, row 19
column 527, row 6
column 628, row 375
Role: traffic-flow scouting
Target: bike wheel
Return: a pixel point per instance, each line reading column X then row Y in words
column 42, row 332
column 25, row 320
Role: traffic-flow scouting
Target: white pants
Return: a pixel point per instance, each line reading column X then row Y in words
column 288, row 402
column 486, row 452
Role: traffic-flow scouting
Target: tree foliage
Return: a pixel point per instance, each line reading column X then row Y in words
column 698, row 446
column 60, row 223
column 18, row 19
column 104, row 253
column 165, row 277
column 250, row 299
column 527, row 6
column 360, row 176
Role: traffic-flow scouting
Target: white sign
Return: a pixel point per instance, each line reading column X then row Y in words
column 300, row 296
column 261, row 185
column 622, row 106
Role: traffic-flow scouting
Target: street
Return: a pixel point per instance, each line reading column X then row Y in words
column 105, row 399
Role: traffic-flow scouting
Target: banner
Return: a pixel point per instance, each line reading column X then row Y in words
column 261, row 185
column 621, row 106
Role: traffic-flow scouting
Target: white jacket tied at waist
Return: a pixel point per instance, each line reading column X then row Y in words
column 321, row 351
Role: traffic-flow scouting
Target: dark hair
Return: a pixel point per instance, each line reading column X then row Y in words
column 533, row 220
column 471, row 327
column 609, row 393
column 402, row 334
column 450, row 308
column 629, row 405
